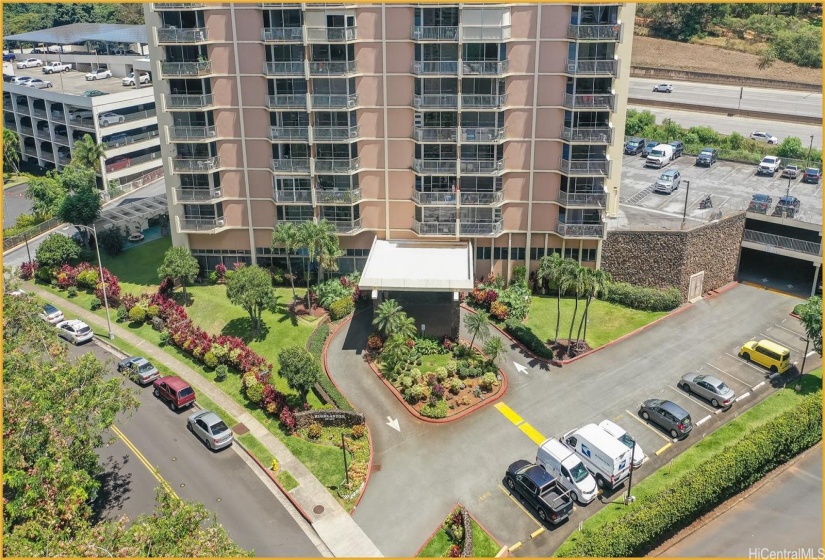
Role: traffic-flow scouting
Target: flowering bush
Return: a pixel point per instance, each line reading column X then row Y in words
column 375, row 342
column 359, row 431
column 499, row 310
column 490, row 296
column 28, row 270
column 287, row 419
column 220, row 273
column 87, row 278
column 438, row 391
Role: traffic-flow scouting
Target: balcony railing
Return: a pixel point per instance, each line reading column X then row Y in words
column 433, row 33
column 446, row 67
column 584, row 167
column 39, row 113
column 201, row 224
column 489, row 101
column 30, row 152
column 290, row 68
column 331, row 34
column 288, row 133
column 480, row 228
column 592, row 67
column 580, row 230
column 282, row 101
column 333, row 68
column 186, row 68
column 291, row 165
column 197, row 195
column 481, row 198
column 282, row 34
column 485, row 68
column 598, row 134
column 484, row 166
column 43, row 133
column 293, row 197
column 176, row 101
column 140, row 115
column 434, row 228
column 610, row 32
column 347, row 226
column 337, row 165
column 594, row 199
column 177, row 5
column 435, row 166
column 780, row 242
column 482, row 134
column 192, row 132
column 426, row 134
column 350, row 196
column 336, row 101
column 195, row 164
column 589, row 101
column 435, row 100
column 131, row 139
column 435, row 198
column 470, row 33
column 191, row 35
column 334, row 133
column 26, row 130
column 63, row 139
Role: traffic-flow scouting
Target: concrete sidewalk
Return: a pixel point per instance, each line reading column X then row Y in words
column 334, row 525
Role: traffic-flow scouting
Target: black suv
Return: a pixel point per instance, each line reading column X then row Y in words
column 678, row 148
column 708, row 156
column 634, row 146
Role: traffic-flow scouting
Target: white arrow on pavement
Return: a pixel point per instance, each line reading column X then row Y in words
column 393, row 423
column 521, row 369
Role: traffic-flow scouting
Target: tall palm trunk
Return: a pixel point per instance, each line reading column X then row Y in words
column 586, row 313
column 291, row 278
column 558, row 315
column 583, row 323
column 572, row 324
column 309, row 301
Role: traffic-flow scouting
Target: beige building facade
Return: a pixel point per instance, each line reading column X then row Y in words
column 497, row 124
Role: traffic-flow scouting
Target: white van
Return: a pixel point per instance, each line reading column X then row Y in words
column 620, row 434
column 568, row 469
column 660, row 156
column 601, row 453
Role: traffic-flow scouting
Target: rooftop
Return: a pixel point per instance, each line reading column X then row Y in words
column 72, row 83
column 418, row 265
column 82, row 32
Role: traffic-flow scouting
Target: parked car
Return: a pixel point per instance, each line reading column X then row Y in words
column 80, row 114
column 120, row 162
column 678, row 149
column 811, row 175
column 791, row 171
column 94, row 93
column 663, row 88
column 708, row 156
column 130, row 79
column 708, row 387
column 109, row 118
column 624, row 438
column 9, row 57
column 667, row 415
column 608, row 460
column 769, row 166
column 56, row 67
column 140, row 369
column 116, row 140
column 174, row 391
column 210, row 429
column 668, row 181
column 74, row 331
column 51, row 314
column 767, row 354
column 761, row 136
column 99, row 74
column 540, row 490
column 566, row 467
column 30, row 63
column 634, row 146
column 760, row 203
column 37, row 83
column 20, row 80
column 648, row 147
column 787, row 206
column 660, row 156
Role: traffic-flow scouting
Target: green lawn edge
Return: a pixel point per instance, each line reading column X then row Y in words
column 484, row 546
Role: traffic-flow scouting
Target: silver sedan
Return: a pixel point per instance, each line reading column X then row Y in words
column 209, row 427
column 708, row 387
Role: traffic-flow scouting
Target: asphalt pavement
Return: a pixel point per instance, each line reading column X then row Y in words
column 15, row 203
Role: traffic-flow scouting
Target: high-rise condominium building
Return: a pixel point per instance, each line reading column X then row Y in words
column 497, row 124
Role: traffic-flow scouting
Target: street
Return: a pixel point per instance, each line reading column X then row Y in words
column 15, row 203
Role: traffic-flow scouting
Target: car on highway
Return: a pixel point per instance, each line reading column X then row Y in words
column 130, row 79
column 37, row 83
column 812, row 175
column 624, row 438
column 634, row 146
column 663, row 88
column 787, row 206
column 708, row 156
column 75, row 331
column 51, row 314
column 210, row 429
column 140, row 370
column 760, row 203
column 539, row 489
column 109, row 118
column 649, row 145
column 709, row 388
column 30, row 63
column 94, row 93
column 668, row 415
column 767, row 354
column 791, row 172
column 174, row 391
column 761, row 136
column 99, row 74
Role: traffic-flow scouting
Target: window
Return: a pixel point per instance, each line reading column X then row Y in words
column 483, row 253
column 571, row 254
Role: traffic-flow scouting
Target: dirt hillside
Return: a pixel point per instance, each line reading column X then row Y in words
column 660, row 53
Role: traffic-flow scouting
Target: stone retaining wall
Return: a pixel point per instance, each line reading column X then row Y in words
column 337, row 418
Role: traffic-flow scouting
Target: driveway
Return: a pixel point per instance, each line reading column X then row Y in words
column 15, row 203
column 420, row 472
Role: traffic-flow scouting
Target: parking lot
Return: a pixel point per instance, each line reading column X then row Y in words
column 730, row 185
column 74, row 82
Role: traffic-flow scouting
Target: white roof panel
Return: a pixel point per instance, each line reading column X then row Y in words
column 419, row 266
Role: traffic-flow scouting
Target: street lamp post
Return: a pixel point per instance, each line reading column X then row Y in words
column 102, row 278
column 629, row 499
column 810, row 149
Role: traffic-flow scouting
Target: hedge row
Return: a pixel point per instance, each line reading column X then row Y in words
column 645, row 525
column 315, row 345
column 527, row 337
column 642, row 298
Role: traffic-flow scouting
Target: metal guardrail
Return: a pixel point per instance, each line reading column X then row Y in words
column 433, row 33
column 200, row 224
column 192, row 132
column 337, row 165
column 584, row 167
column 480, row 228
column 480, row 199
column 15, row 240
column 288, row 133
column 446, row 67
column 582, row 199
column 435, row 198
column 481, row 166
column 186, row 68
column 603, row 134
column 610, row 32
column 140, row 115
column 287, row 101
column 435, row 166
column 297, row 197
column 331, row 34
column 485, row 68
column 335, row 133
column 183, row 194
column 333, row 68
column 177, row 101
column 290, row 68
column 434, row 228
column 435, row 100
column 190, row 35
column 494, row 101
column 334, row 101
column 291, row 165
column 580, row 230
column 347, row 226
column 196, row 164
column 349, row 196
column 282, row 34
column 771, row 240
column 143, row 136
column 592, row 67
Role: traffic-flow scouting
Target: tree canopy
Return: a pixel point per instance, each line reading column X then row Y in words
column 300, row 369
column 179, row 264
column 250, row 287
column 56, row 250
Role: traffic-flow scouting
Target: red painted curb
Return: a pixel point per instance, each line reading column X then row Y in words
column 794, row 315
column 723, row 289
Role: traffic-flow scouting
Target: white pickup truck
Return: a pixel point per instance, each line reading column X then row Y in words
column 769, row 165
column 53, row 67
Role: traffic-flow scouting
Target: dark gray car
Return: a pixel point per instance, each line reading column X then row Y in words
column 667, row 415
column 708, row 387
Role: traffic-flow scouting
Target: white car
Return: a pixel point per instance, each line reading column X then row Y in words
column 764, row 137
column 209, row 427
column 130, row 79
column 110, row 118
column 21, row 80
column 663, row 88
column 99, row 74
column 30, row 63
column 80, row 114
column 74, row 331
column 51, row 314
column 37, row 83
column 620, row 434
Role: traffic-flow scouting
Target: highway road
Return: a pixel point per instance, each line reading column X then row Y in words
column 785, row 102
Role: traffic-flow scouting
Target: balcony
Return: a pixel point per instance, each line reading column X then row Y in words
column 345, row 227
column 289, row 68
column 434, row 198
column 333, row 68
column 426, row 134
column 288, row 133
column 593, row 67
column 589, row 101
column 482, row 166
column 197, row 195
column 177, row 6
column 336, row 101
column 481, row 198
column 470, row 33
column 170, row 35
column 350, row 196
column 331, row 34
column 335, row 133
column 449, row 101
column 186, row 68
column 443, row 67
column 282, row 101
column 433, row 33
column 480, row 228
column 580, row 230
column 482, row 134
column 195, row 225
column 293, row 197
column 192, row 132
column 435, row 166
column 612, row 32
column 483, row 101
column 290, row 165
column 585, row 166
column 337, row 165
column 486, row 68
column 282, row 34
column 590, row 135
column 195, row 164
column 434, row 228
column 176, row 101
column 586, row 199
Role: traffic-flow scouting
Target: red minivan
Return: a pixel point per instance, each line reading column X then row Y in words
column 175, row 391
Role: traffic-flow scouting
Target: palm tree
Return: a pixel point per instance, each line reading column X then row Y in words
column 307, row 240
column 494, row 349
column 87, row 153
column 404, row 326
column 11, row 148
column 386, row 316
column 394, row 354
column 327, row 248
column 286, row 235
column 599, row 283
column 587, row 286
column 577, row 280
column 479, row 326
column 550, row 269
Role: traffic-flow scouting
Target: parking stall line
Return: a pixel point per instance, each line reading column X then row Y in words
column 646, row 425
column 742, row 396
column 793, row 332
column 691, row 397
column 745, row 383
column 811, row 353
column 663, row 448
column 509, row 413
column 518, row 503
column 703, row 420
column 532, row 433
column 782, row 343
column 758, row 385
column 745, row 362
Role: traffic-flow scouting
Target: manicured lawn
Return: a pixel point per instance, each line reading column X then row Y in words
column 483, row 544
column 605, row 321
column 434, row 361
column 439, row 546
column 137, row 269
column 287, row 480
column 14, row 180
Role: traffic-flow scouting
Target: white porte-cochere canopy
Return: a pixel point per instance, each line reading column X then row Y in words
column 418, row 266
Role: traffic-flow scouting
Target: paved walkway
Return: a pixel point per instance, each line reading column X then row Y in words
column 334, row 525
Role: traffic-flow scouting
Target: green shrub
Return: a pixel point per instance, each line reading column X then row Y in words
column 164, row 338
column 122, row 314
column 528, row 338
column 152, row 312
column 517, row 299
column 642, row 298
column 488, row 380
column 95, row 304
column 111, row 240
column 71, row 292
column 414, row 393
column 249, row 379
column 455, row 386
column 341, row 308
column 452, row 367
column 209, row 360
column 441, row 374
column 45, row 274
column 137, row 314
column 316, row 341
column 437, row 410
column 220, row 351
column 88, row 279
column 415, row 373
column 220, row 372
column 427, row 346
column 315, row 431
column 406, row 381
column 331, row 291
column 255, row 392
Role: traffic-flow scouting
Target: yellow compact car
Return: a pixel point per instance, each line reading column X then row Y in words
column 767, row 354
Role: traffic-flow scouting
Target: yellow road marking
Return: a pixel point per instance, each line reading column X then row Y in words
column 646, row 425
column 515, row 501
column 536, row 533
column 145, row 461
column 663, row 448
column 532, row 433
column 515, row 546
column 509, row 413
